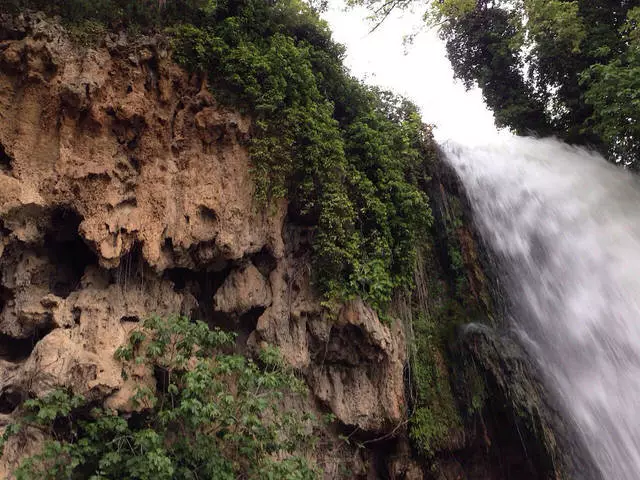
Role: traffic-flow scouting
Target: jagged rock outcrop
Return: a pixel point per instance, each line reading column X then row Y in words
column 244, row 289
column 359, row 373
column 125, row 191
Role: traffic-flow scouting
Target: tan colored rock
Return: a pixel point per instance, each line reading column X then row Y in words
column 31, row 306
column 243, row 290
column 354, row 365
column 27, row 443
column 97, row 319
column 26, row 313
column 360, row 377
column 129, row 193
column 138, row 170
column 295, row 311
column 358, row 314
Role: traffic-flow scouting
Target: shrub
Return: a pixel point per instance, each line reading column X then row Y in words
column 214, row 415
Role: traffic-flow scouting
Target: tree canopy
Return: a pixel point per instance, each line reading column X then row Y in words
column 548, row 67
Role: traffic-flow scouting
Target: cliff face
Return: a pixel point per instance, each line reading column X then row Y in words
column 126, row 191
column 512, row 427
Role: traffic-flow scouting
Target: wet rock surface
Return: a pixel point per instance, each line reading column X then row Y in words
column 523, row 432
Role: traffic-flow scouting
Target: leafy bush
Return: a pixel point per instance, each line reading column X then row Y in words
column 214, row 415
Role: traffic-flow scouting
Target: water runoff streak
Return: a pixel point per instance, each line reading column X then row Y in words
column 565, row 227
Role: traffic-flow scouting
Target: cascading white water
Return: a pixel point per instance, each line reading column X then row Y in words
column 565, row 225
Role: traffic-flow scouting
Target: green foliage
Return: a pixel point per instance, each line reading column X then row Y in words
column 555, row 18
column 138, row 14
column 87, row 33
column 613, row 89
column 447, row 393
column 454, row 230
column 352, row 160
column 214, row 415
column 488, row 34
column 435, row 417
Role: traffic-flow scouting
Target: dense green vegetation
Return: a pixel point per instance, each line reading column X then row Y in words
column 214, row 415
column 352, row 160
column 447, row 393
column 435, row 414
column 568, row 68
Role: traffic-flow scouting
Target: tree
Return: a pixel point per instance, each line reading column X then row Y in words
column 549, row 67
column 613, row 89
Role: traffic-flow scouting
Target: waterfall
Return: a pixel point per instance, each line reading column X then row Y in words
column 565, row 227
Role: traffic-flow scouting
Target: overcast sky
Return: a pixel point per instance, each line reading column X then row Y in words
column 419, row 71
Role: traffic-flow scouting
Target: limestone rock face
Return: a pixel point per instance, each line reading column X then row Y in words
column 243, row 290
column 353, row 363
column 125, row 191
column 360, row 377
column 137, row 148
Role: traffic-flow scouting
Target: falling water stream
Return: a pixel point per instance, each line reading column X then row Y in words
column 565, row 225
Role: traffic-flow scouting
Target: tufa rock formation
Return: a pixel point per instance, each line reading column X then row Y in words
column 126, row 191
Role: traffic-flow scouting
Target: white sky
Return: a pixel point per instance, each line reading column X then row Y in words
column 419, row 71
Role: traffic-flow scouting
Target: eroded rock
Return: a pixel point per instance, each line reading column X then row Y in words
column 125, row 191
column 243, row 290
column 359, row 374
